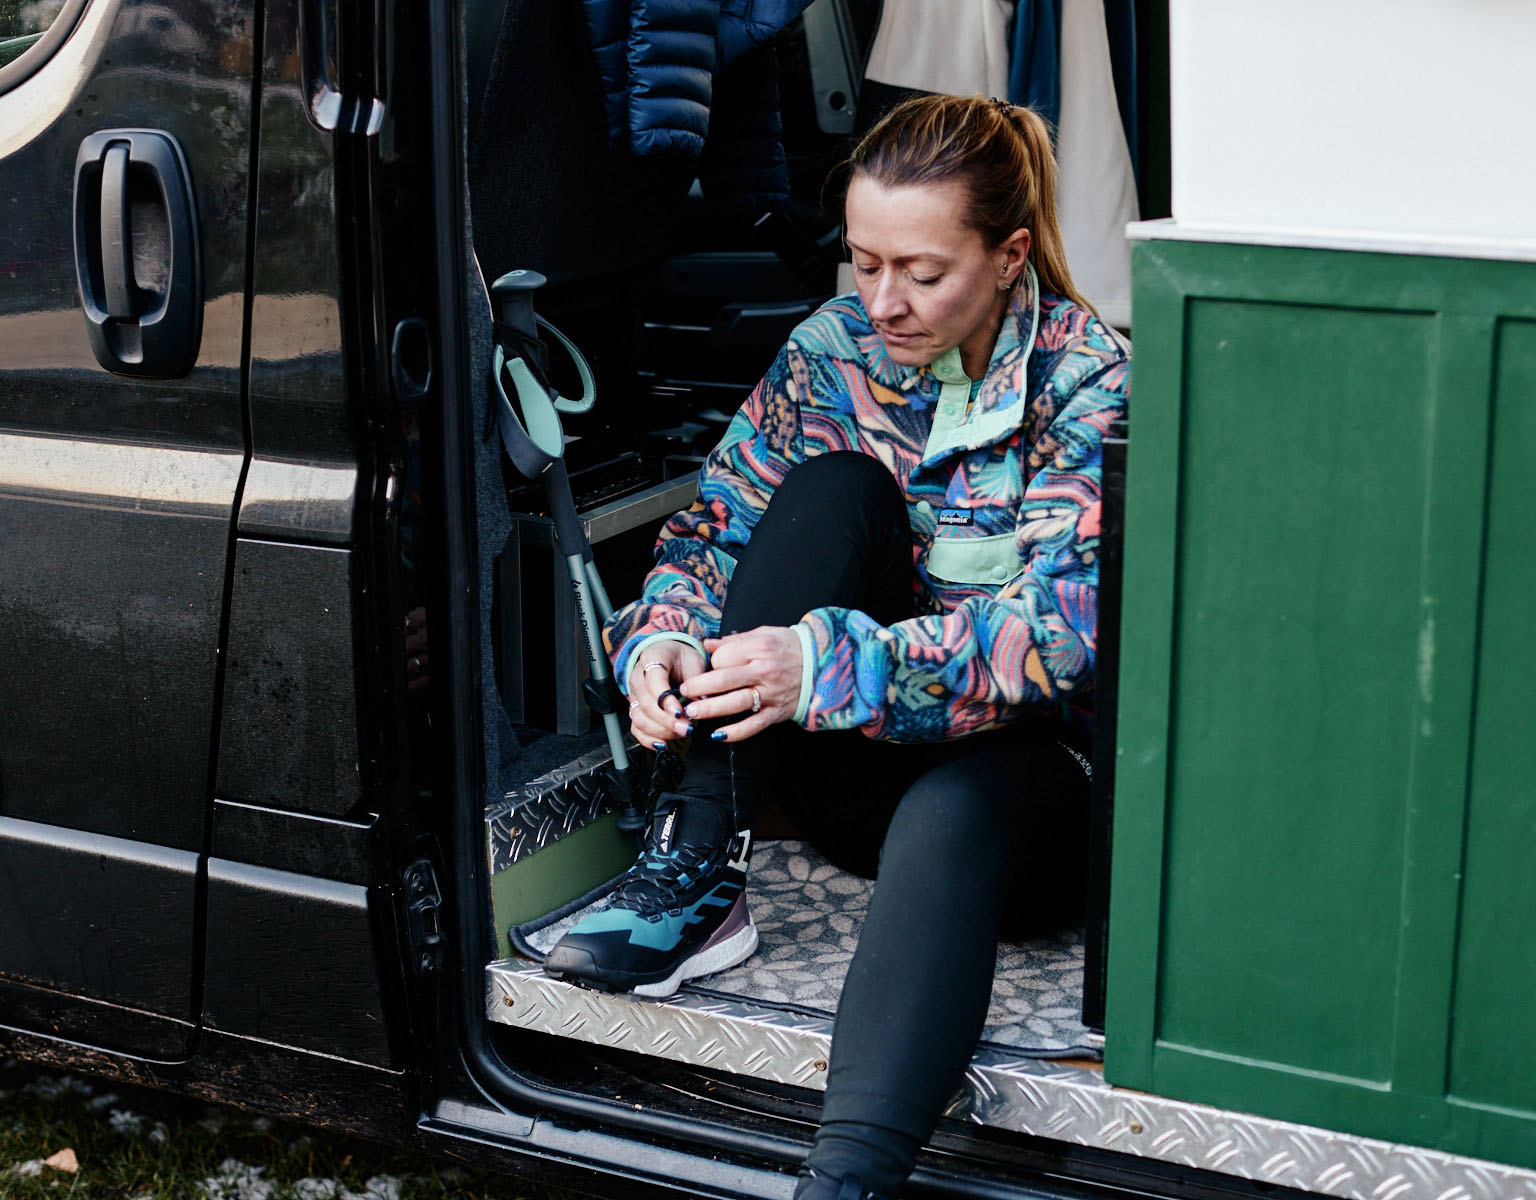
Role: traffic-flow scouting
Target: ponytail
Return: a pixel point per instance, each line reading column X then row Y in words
column 1003, row 153
column 1047, row 250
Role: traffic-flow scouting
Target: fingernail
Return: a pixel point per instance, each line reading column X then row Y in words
column 658, row 745
column 689, row 711
column 689, row 731
column 717, row 736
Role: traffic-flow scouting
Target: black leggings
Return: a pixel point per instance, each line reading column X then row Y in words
column 969, row 838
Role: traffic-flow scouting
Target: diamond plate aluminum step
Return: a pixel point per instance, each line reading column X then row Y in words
column 1047, row 1099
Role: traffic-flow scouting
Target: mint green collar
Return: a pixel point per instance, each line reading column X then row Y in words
column 959, row 425
column 954, row 402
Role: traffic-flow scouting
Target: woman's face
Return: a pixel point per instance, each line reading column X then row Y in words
column 927, row 279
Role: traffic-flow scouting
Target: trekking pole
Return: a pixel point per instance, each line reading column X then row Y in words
column 535, row 443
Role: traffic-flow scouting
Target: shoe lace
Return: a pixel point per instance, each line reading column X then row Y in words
column 659, row 878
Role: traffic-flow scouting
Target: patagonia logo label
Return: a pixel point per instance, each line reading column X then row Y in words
column 954, row 516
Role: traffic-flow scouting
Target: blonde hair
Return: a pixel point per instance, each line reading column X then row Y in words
column 1001, row 151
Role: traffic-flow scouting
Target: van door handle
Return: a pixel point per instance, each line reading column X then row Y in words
column 116, row 260
column 136, row 252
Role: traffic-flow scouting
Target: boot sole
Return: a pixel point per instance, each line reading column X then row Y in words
column 721, row 956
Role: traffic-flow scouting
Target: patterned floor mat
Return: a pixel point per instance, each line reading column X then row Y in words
column 808, row 915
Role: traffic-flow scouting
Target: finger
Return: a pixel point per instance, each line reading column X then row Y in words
column 650, row 732
column 664, row 712
column 716, row 682
column 649, row 682
column 753, row 725
column 649, row 692
column 649, row 724
column 748, row 641
column 734, row 649
column 671, row 703
column 722, row 704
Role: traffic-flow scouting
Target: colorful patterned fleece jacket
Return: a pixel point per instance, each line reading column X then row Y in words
column 1003, row 498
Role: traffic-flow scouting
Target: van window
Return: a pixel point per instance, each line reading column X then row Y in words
column 30, row 30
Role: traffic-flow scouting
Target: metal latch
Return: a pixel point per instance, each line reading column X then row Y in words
column 423, row 915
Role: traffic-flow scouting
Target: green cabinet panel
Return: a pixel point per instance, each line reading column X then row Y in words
column 1493, row 1047
column 1326, row 772
column 1289, row 754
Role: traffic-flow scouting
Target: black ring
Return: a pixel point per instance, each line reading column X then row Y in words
column 681, row 701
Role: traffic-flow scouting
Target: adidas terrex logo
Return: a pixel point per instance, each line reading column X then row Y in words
column 665, row 841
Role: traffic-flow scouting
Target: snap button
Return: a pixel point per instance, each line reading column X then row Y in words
column 924, row 507
column 999, row 573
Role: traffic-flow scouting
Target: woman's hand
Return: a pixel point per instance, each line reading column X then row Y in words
column 759, row 668
column 664, row 666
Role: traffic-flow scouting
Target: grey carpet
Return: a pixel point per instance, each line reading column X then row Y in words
column 808, row 915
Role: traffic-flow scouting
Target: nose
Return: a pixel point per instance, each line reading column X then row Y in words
column 888, row 299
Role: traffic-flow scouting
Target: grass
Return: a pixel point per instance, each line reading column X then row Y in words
column 132, row 1144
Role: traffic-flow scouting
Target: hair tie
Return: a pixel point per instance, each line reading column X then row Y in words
column 1004, row 109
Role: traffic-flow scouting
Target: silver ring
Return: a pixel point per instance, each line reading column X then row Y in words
column 634, row 706
column 649, row 665
column 757, row 701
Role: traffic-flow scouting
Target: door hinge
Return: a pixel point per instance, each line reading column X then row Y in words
column 423, row 916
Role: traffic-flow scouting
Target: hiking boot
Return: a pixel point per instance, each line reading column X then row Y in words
column 815, row 1185
column 678, row 913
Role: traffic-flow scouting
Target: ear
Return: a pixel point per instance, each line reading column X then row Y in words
column 1014, row 250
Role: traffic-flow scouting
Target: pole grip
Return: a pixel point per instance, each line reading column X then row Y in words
column 570, row 534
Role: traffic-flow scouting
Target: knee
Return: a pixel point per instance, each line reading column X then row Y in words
column 936, row 822
column 844, row 478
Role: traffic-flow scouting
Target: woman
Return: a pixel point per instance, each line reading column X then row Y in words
column 883, row 601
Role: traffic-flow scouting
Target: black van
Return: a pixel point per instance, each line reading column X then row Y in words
column 296, row 765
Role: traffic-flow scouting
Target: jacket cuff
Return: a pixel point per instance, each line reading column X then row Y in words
column 807, row 670
column 666, row 635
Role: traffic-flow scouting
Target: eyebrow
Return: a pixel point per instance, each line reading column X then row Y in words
column 932, row 255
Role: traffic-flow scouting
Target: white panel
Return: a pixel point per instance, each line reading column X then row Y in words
column 1383, row 116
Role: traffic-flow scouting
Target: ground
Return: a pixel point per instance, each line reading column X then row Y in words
column 67, row 1136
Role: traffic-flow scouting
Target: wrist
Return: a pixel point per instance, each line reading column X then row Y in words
column 667, row 635
column 807, row 669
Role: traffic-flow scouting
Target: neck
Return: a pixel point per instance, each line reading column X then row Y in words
column 976, row 350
